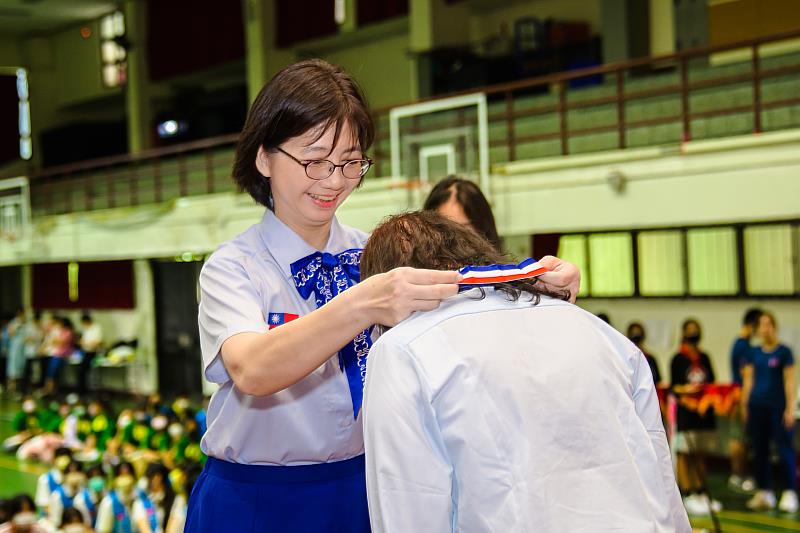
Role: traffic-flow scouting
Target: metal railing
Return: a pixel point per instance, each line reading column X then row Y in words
column 203, row 167
column 621, row 75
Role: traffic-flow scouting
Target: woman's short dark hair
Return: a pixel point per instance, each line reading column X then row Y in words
column 475, row 205
column 306, row 95
column 426, row 239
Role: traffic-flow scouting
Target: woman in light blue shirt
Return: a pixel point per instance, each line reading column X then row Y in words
column 284, row 329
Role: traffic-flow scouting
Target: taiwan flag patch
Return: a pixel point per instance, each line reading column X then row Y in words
column 278, row 319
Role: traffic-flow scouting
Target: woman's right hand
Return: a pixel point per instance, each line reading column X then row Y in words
column 390, row 297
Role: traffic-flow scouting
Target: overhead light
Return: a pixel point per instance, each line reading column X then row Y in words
column 171, row 128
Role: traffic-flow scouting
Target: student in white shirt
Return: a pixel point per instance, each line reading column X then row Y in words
column 90, row 497
column 114, row 511
column 52, row 479
column 63, row 497
column 506, row 409
column 153, row 503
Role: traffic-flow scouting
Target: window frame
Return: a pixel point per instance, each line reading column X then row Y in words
column 740, row 259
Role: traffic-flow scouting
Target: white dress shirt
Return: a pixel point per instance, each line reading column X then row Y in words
column 492, row 415
column 246, row 281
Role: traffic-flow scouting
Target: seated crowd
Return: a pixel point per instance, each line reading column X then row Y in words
column 129, row 472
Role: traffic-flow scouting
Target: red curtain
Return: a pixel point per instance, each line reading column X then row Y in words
column 101, row 285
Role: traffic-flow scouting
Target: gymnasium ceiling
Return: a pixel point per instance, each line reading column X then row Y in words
column 32, row 17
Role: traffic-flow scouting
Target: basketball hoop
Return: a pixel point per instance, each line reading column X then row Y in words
column 14, row 208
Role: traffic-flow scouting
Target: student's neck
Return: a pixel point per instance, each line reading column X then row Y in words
column 769, row 346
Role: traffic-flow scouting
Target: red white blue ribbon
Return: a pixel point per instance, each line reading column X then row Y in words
column 481, row 276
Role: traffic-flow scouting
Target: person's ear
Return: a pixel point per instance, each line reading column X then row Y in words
column 262, row 162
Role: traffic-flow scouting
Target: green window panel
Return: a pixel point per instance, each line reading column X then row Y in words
column 572, row 248
column 713, row 269
column 661, row 263
column 768, row 259
column 611, row 264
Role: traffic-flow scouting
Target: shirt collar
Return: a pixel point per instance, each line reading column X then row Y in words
column 287, row 247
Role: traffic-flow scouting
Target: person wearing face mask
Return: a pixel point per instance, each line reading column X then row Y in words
column 158, row 440
column 88, row 498
column 72, row 522
column 636, row 335
column 768, row 399
column 181, row 406
column 101, row 427
column 690, row 372
column 50, row 480
column 64, row 495
column 152, row 505
column 138, row 432
column 26, row 424
column 23, row 515
column 114, row 511
column 178, row 442
column 187, row 448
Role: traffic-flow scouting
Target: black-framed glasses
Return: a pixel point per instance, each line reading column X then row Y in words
column 320, row 169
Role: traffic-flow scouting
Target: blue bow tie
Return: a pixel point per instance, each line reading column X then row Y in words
column 325, row 276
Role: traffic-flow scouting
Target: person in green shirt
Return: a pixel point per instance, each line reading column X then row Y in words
column 25, row 424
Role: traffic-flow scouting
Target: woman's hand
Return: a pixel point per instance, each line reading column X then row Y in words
column 563, row 276
column 391, row 297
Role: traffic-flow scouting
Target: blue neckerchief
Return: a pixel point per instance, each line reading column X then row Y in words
column 122, row 520
column 51, row 481
column 149, row 509
column 66, row 501
column 90, row 505
column 325, row 276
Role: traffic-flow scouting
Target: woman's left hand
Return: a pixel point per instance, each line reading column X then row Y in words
column 788, row 418
column 562, row 276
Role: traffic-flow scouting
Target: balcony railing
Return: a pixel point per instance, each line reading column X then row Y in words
column 657, row 100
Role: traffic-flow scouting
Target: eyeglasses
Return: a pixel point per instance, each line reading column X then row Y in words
column 320, row 169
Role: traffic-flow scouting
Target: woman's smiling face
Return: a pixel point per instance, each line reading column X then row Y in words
column 302, row 203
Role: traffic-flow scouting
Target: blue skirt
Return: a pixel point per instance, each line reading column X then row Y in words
column 326, row 497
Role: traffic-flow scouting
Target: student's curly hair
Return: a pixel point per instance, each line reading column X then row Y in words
column 426, row 239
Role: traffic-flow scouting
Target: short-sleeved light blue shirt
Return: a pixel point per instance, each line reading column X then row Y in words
column 247, row 280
